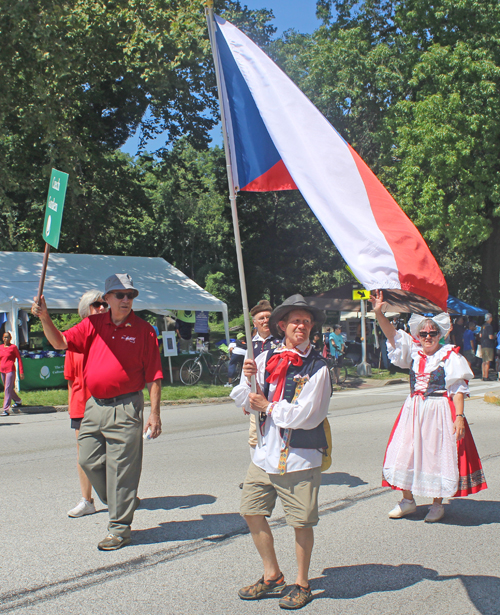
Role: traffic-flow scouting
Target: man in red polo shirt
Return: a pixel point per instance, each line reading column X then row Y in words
column 120, row 357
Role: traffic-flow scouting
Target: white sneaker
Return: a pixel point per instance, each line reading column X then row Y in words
column 228, row 384
column 405, row 507
column 436, row 513
column 84, row 507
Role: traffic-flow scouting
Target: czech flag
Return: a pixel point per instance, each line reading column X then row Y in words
column 278, row 140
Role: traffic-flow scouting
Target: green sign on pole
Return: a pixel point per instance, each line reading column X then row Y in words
column 55, row 206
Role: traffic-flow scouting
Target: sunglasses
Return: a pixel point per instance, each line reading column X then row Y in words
column 98, row 304
column 123, row 295
column 424, row 334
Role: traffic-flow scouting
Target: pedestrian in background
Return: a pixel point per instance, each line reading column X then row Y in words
column 337, row 347
column 90, row 303
column 457, row 333
column 9, row 354
column 487, row 345
column 262, row 341
column 469, row 343
column 237, row 350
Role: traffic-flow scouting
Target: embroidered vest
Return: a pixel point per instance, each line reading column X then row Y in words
column 270, row 343
column 301, row 438
column 436, row 383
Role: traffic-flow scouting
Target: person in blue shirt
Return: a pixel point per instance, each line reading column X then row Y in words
column 469, row 343
column 337, row 347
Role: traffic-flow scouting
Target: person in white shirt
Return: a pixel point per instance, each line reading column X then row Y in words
column 293, row 395
column 262, row 341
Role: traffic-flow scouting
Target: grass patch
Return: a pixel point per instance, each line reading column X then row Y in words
column 178, row 391
column 47, row 397
column 175, row 392
column 384, row 374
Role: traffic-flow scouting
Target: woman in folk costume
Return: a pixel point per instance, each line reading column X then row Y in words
column 431, row 451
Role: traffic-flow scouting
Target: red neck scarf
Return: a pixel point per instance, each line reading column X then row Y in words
column 277, row 367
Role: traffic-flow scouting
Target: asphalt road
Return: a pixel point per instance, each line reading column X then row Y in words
column 191, row 551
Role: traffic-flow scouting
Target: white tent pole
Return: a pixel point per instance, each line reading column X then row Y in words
column 226, row 323
column 232, row 193
column 14, row 331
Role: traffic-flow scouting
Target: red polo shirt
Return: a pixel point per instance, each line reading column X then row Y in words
column 73, row 370
column 116, row 359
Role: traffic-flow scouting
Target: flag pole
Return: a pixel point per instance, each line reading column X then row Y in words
column 209, row 12
column 42, row 274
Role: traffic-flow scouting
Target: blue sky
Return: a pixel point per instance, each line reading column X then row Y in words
column 297, row 14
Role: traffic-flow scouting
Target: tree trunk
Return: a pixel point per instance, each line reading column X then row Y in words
column 490, row 277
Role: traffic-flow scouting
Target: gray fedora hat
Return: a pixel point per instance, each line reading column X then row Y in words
column 119, row 281
column 295, row 302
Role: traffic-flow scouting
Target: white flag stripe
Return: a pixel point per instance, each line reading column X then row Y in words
column 320, row 163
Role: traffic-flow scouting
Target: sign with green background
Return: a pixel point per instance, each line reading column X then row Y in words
column 43, row 374
column 54, row 208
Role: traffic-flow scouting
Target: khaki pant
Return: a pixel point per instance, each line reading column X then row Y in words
column 110, row 443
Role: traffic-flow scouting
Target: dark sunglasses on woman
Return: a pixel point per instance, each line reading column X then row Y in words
column 424, row 334
column 98, row 304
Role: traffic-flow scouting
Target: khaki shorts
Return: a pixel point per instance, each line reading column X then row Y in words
column 298, row 492
column 487, row 354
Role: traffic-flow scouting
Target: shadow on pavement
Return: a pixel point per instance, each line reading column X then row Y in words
column 471, row 513
column 210, row 527
column 461, row 512
column 341, row 478
column 350, row 582
column 179, row 501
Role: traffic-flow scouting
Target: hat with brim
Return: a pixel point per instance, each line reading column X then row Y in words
column 295, row 302
column 119, row 282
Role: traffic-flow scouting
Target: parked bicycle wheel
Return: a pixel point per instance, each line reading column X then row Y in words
column 190, row 372
column 237, row 376
column 341, row 377
column 222, row 373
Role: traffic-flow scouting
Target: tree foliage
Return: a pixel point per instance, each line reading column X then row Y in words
column 413, row 85
column 78, row 78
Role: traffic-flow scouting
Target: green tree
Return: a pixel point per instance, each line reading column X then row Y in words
column 78, row 78
column 413, row 85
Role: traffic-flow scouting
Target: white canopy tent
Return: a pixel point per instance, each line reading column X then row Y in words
column 161, row 286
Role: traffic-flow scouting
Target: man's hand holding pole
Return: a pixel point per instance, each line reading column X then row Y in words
column 55, row 338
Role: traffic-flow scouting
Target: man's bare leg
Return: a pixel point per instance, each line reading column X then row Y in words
column 264, row 541
column 304, row 542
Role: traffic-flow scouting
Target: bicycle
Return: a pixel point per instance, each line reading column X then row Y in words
column 333, row 364
column 192, row 369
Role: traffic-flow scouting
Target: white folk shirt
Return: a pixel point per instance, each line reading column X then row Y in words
column 405, row 354
column 307, row 412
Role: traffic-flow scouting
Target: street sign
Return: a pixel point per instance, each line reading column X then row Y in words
column 361, row 293
column 54, row 208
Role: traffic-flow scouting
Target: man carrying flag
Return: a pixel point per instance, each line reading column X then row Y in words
column 293, row 395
